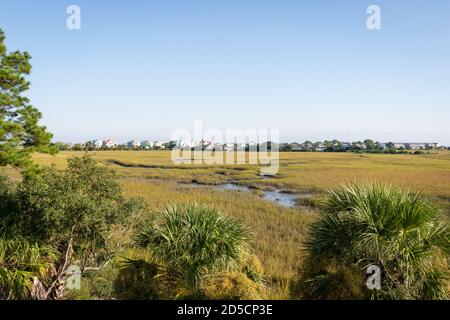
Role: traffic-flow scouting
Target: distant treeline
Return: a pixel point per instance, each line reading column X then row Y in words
column 366, row 146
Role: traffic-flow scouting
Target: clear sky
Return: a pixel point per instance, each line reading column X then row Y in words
column 141, row 69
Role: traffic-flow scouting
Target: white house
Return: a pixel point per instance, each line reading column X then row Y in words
column 96, row 143
column 346, row 145
column 109, row 143
column 159, row 144
column 399, row 145
column 132, row 144
column 416, row 145
column 229, row 147
column 382, row 145
column 146, row 144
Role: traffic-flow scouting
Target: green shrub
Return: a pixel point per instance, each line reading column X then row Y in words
column 82, row 202
column 190, row 242
column 143, row 280
column 322, row 279
column 397, row 230
column 74, row 211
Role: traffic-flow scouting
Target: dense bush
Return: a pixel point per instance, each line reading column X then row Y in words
column 184, row 252
column 324, row 279
column 58, row 217
column 191, row 243
column 142, row 279
column 375, row 224
column 71, row 211
column 83, row 200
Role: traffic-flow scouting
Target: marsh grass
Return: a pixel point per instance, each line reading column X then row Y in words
column 279, row 232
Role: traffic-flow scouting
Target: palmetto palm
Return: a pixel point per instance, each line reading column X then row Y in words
column 395, row 229
column 192, row 241
column 22, row 263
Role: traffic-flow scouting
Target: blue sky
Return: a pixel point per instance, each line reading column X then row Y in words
column 141, row 69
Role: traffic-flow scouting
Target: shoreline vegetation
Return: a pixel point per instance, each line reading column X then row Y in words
column 305, row 171
column 280, row 233
column 366, row 146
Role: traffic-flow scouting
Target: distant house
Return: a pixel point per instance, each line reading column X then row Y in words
column 319, row 148
column 159, row 145
column 94, row 144
column 133, row 144
column 229, row 147
column 424, row 145
column 358, row 145
column 382, row 145
column 416, row 145
column 241, row 146
column 431, row 145
column 109, row 143
column 399, row 145
column 346, row 145
column 146, row 144
column 186, row 144
column 214, row 147
column 79, row 146
column 296, row 147
column 435, row 145
column 252, row 146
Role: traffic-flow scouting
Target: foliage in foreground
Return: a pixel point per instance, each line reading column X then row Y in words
column 21, row 264
column 397, row 230
column 55, row 218
column 69, row 212
column 192, row 245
